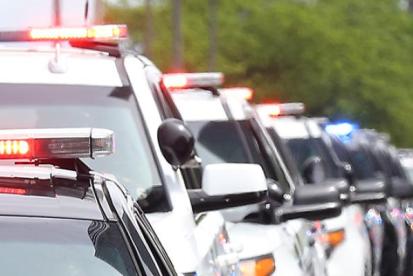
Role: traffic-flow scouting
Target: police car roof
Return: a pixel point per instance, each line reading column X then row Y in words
column 46, row 192
column 26, row 66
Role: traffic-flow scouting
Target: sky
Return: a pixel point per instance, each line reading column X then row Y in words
column 18, row 14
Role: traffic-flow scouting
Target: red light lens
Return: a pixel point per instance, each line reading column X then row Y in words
column 95, row 32
column 14, row 147
column 13, row 191
column 175, row 81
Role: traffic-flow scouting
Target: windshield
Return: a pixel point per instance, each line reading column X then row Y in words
column 303, row 149
column 42, row 246
column 63, row 106
column 286, row 154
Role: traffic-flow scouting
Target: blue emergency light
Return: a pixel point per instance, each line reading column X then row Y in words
column 342, row 130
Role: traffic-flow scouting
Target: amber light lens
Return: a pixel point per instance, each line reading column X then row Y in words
column 336, row 237
column 258, row 267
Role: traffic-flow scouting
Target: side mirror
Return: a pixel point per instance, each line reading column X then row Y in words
column 176, row 141
column 400, row 188
column 312, row 202
column 369, row 191
column 313, row 171
column 229, row 185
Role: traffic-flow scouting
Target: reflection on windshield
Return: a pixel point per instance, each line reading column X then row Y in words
column 303, row 149
column 62, row 106
column 362, row 164
column 41, row 246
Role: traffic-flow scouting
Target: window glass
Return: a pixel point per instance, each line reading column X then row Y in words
column 73, row 106
column 232, row 142
column 219, row 142
column 361, row 163
column 302, row 149
column 64, row 247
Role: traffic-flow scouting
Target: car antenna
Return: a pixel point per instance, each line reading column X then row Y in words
column 56, row 65
column 86, row 11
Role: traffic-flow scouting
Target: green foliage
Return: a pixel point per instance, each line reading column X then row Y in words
column 345, row 59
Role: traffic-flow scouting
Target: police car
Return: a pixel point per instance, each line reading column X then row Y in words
column 318, row 164
column 59, row 217
column 384, row 165
column 223, row 137
column 80, row 77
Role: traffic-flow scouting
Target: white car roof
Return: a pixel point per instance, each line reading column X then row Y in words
column 290, row 127
column 199, row 105
column 202, row 105
column 83, row 68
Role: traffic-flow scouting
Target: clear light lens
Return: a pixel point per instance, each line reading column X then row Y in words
column 175, row 81
column 94, row 32
column 192, row 80
column 285, row 109
column 242, row 92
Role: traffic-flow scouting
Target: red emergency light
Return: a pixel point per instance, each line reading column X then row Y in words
column 35, row 144
column 13, row 191
column 97, row 32
column 192, row 80
column 285, row 109
column 242, row 92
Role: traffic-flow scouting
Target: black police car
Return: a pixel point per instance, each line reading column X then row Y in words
column 57, row 217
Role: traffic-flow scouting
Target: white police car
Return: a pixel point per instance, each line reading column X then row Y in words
column 224, row 135
column 317, row 164
column 79, row 77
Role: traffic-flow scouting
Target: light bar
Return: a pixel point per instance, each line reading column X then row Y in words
column 192, row 80
column 35, row 144
column 98, row 32
column 340, row 129
column 286, row 109
column 242, row 92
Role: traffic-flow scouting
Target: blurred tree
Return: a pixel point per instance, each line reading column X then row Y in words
column 345, row 59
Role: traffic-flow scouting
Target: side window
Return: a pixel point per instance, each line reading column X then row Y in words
column 143, row 250
column 258, row 150
column 158, row 252
column 286, row 155
column 265, row 155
